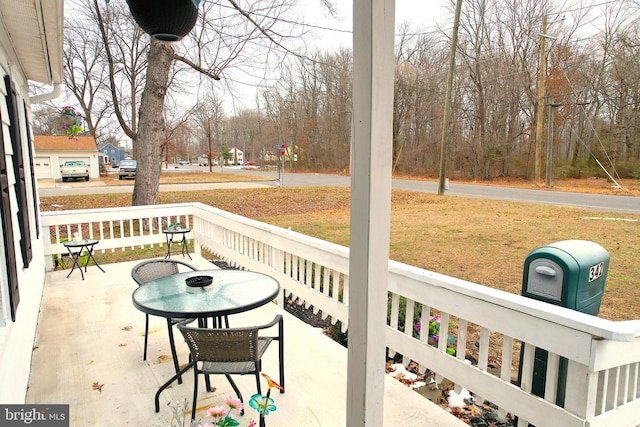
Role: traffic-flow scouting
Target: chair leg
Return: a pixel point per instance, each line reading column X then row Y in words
column 207, row 381
column 146, row 335
column 195, row 391
column 174, row 354
column 258, row 383
column 281, row 355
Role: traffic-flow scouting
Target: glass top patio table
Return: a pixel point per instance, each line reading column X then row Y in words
column 232, row 291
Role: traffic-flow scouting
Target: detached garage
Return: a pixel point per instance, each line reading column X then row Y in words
column 51, row 151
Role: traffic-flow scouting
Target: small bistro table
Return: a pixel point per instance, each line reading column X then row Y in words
column 170, row 233
column 75, row 251
column 232, row 291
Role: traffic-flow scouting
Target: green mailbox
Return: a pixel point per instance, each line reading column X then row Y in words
column 571, row 274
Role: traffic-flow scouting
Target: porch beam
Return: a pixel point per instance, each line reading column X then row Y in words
column 373, row 76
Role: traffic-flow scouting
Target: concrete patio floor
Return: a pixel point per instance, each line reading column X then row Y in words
column 88, row 354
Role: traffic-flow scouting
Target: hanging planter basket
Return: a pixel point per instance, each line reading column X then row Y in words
column 166, row 20
column 70, row 120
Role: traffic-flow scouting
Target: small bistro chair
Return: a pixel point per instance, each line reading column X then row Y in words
column 148, row 271
column 230, row 351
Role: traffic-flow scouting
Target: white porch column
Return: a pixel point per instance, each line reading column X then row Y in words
column 373, row 77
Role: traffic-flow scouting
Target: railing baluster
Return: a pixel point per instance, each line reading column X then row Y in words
column 101, row 229
column 141, row 230
column 393, row 320
column 635, row 379
column 408, row 325
column 443, row 339
column 461, row 341
column 615, row 387
column 131, row 233
column 309, row 274
column 505, row 369
column 295, row 267
column 317, row 277
column 624, row 384
column 551, row 383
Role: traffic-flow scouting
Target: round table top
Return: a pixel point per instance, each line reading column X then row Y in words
column 83, row 242
column 174, row 231
column 232, row 291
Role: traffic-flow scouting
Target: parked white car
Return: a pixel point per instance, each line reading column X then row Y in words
column 74, row 169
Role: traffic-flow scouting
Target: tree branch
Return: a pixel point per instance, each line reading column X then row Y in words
column 213, row 75
column 262, row 30
column 112, row 83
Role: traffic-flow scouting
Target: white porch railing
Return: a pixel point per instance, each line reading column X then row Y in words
column 602, row 366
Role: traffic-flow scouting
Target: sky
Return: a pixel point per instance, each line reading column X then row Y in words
column 330, row 33
column 418, row 13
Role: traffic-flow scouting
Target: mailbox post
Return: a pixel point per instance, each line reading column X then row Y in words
column 571, row 274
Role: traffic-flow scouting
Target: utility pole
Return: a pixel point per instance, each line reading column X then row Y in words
column 447, row 102
column 210, row 161
column 552, row 105
column 541, row 93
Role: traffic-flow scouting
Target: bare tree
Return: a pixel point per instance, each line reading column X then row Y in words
column 230, row 37
column 209, row 115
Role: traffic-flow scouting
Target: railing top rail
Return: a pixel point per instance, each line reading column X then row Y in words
column 54, row 217
column 281, row 238
column 625, row 331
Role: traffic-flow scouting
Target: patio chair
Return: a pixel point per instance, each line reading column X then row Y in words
column 148, row 271
column 230, row 351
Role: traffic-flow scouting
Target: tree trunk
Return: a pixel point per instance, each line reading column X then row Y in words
column 151, row 126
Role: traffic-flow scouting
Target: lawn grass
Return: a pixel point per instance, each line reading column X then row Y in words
column 483, row 241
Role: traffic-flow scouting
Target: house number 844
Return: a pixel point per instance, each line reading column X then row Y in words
column 595, row 271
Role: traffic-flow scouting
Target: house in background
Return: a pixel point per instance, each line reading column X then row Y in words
column 238, row 156
column 53, row 150
column 31, row 34
column 111, row 154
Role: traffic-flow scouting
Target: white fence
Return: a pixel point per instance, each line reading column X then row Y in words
column 592, row 367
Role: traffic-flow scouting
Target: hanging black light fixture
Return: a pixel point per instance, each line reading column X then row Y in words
column 166, row 20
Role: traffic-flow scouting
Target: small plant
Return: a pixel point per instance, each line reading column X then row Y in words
column 434, row 333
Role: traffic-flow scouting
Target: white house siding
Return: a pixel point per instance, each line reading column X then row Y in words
column 17, row 338
column 43, row 167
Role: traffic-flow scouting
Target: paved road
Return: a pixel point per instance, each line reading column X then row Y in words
column 596, row 202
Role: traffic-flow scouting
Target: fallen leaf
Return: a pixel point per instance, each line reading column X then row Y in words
column 474, row 410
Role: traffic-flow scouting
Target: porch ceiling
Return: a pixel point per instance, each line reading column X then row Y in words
column 36, row 28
